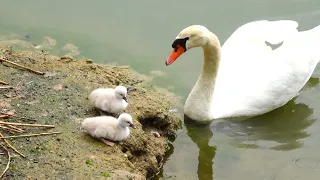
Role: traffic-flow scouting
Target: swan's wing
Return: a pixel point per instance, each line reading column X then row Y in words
column 260, row 31
column 107, row 128
column 254, row 79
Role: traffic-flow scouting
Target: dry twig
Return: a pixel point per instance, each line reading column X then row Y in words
column 6, row 87
column 30, row 135
column 4, row 116
column 22, row 67
column 4, row 83
column 10, row 129
column 8, row 164
column 29, row 125
column 13, row 127
column 13, row 148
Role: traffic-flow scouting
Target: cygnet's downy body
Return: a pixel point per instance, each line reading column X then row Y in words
column 109, row 100
column 108, row 128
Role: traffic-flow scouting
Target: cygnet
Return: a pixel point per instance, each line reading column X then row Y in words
column 108, row 128
column 109, row 100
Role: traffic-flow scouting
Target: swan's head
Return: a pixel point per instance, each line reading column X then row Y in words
column 125, row 120
column 121, row 93
column 188, row 38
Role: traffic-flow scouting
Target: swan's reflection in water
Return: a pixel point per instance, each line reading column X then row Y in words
column 281, row 129
column 201, row 134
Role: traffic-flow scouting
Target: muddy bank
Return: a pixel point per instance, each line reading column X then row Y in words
column 60, row 98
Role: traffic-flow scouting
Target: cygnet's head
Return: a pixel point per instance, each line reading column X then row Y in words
column 190, row 37
column 121, row 93
column 125, row 120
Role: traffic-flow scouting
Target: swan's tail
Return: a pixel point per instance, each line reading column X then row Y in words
column 310, row 41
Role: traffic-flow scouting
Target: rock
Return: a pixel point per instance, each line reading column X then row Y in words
column 156, row 134
column 89, row 61
column 66, row 57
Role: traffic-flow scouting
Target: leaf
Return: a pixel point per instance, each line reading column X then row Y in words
column 49, row 74
column 104, row 174
column 57, row 87
column 89, row 162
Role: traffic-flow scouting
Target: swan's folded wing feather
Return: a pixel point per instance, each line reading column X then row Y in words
column 259, row 32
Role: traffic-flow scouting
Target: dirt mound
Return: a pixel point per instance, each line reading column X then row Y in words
column 60, row 98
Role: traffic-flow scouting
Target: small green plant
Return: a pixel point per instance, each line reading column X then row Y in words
column 104, row 174
column 89, row 162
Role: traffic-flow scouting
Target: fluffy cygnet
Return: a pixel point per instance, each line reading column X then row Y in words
column 108, row 128
column 110, row 100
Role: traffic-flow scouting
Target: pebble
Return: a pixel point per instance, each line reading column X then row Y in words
column 66, row 57
column 89, row 61
column 156, row 134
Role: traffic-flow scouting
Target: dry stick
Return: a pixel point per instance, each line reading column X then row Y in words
column 13, row 148
column 4, row 83
column 6, row 87
column 30, row 125
column 9, row 159
column 13, row 127
column 30, row 135
column 10, row 129
column 23, row 67
column 18, row 117
column 4, row 116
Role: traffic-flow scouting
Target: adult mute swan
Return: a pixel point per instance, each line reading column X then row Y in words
column 245, row 77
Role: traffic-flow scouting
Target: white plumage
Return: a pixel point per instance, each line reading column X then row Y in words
column 109, row 128
column 110, row 100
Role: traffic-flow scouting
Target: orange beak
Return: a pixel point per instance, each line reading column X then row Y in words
column 175, row 54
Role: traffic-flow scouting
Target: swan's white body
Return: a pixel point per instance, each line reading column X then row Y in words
column 251, row 79
column 109, row 100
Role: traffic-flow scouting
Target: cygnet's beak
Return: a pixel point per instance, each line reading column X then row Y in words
column 132, row 126
column 175, row 54
column 125, row 98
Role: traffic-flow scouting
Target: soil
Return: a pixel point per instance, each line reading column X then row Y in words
column 60, row 97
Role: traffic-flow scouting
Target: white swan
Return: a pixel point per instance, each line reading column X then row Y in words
column 246, row 77
column 110, row 100
column 108, row 128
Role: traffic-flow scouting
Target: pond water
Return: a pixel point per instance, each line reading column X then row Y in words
column 283, row 144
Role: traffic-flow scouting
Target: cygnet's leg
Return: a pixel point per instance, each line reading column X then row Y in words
column 109, row 143
column 102, row 113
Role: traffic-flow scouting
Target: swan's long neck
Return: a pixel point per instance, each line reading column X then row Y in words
column 198, row 103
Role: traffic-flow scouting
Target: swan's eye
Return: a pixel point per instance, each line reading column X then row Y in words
column 181, row 42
